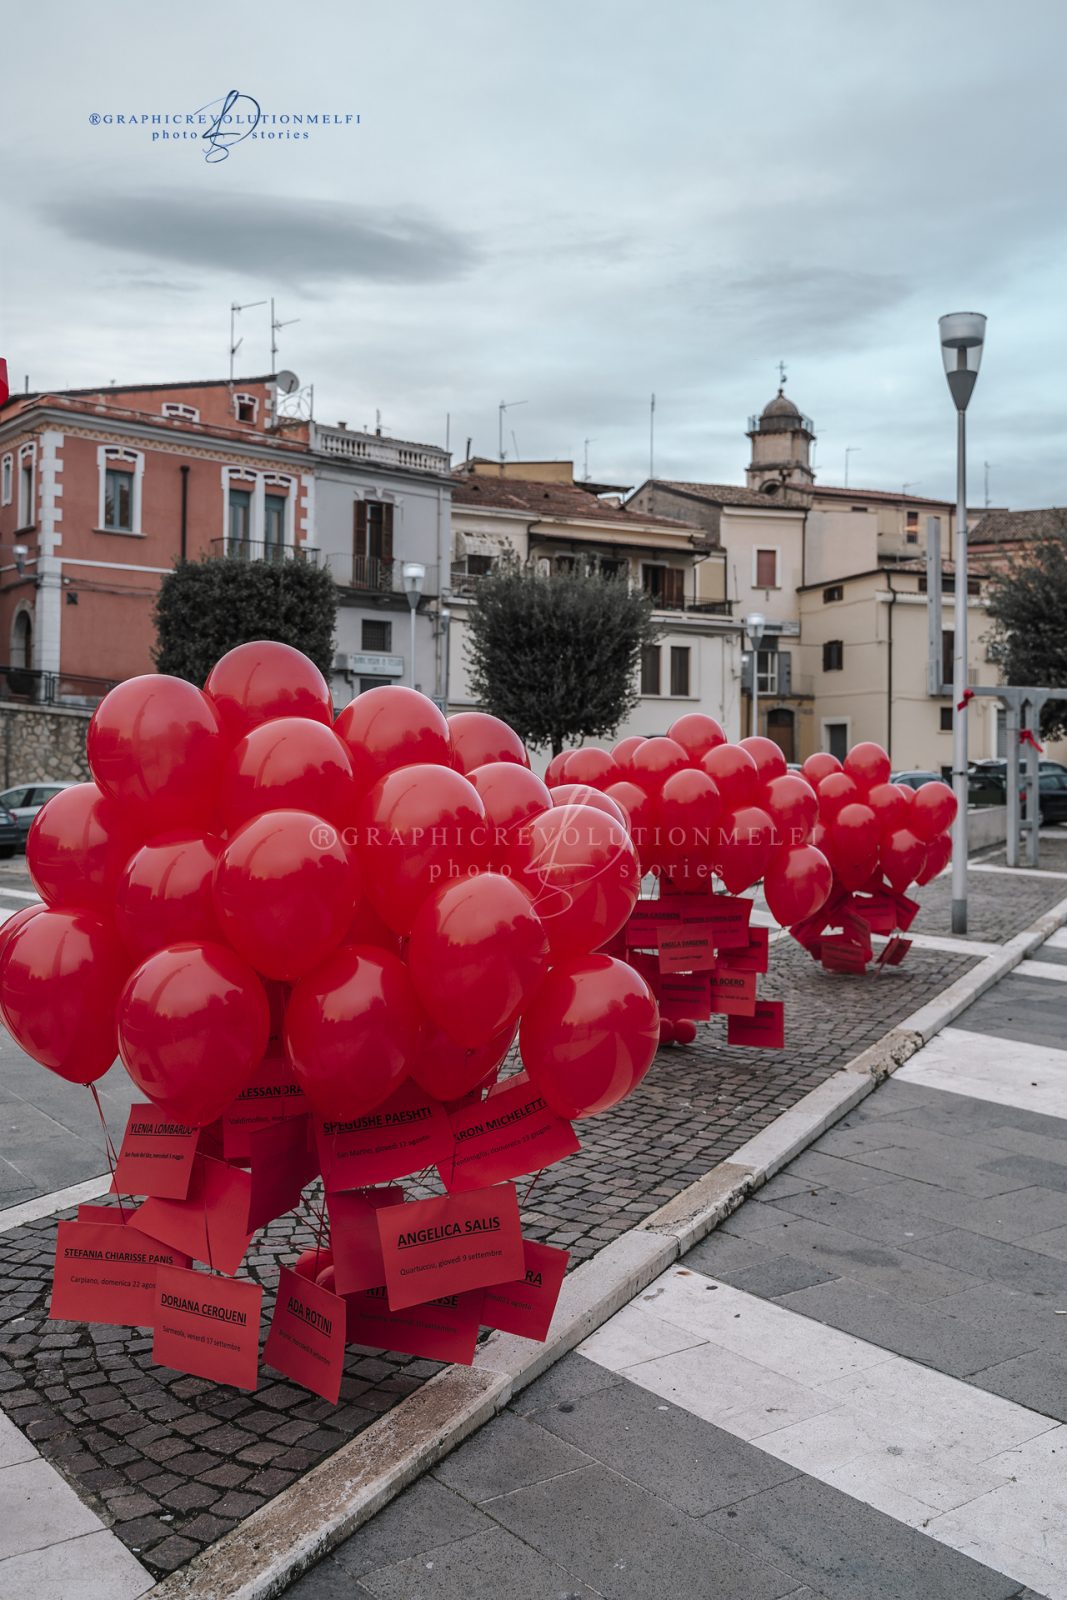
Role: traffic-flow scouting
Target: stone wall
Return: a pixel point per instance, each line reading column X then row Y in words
column 38, row 743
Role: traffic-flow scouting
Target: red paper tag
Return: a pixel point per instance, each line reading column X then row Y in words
column 273, row 1096
column 842, row 955
column 857, row 930
column 405, row 1134
column 526, row 1307
column 284, row 1162
column 354, row 1241
column 442, row 1330
column 510, row 1133
column 879, row 912
column 686, row 945
column 209, row 1225
column 894, row 952
column 106, row 1272
column 685, row 994
column 110, row 1216
column 764, row 1029
column 156, row 1157
column 907, row 911
column 733, row 994
column 306, row 1341
column 729, row 919
column 644, row 923
column 753, row 958
column 445, row 1246
column 207, row 1326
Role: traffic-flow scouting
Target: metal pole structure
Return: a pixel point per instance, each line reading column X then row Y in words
column 755, row 624
column 959, row 688
column 1011, row 767
column 413, row 614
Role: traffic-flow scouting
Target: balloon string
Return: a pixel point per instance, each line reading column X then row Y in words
column 321, row 1226
column 109, row 1147
column 530, row 1190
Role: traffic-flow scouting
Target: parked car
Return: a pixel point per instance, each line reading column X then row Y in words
column 988, row 783
column 10, row 837
column 25, row 801
column 915, row 780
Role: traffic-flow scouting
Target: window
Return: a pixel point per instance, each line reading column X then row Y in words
column 833, row 655
column 911, row 527
column 946, row 719
column 767, row 671
column 835, row 737
column 118, row 500
column 5, row 481
column 836, row 591
column 245, row 407
column 26, row 497
column 174, row 408
column 240, row 523
column 679, row 669
column 479, row 566
column 274, row 522
column 376, row 636
column 610, row 567
column 650, row 669
column 373, row 683
column 948, row 650
column 665, row 586
column 372, row 545
column 859, row 508
column 566, row 565
column 766, row 569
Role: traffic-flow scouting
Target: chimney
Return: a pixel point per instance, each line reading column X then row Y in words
column 342, row 424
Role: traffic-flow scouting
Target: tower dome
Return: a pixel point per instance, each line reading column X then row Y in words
column 780, row 406
column 782, row 437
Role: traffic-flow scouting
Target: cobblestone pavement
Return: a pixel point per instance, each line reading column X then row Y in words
column 174, row 1462
column 1052, row 854
column 999, row 904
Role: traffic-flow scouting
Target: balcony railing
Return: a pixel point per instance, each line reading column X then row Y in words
column 466, row 583
column 257, row 550
column 350, row 445
column 374, row 574
column 26, row 686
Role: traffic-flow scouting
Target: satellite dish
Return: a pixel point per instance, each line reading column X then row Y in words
column 287, row 381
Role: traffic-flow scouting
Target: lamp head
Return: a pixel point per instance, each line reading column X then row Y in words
column 755, row 623
column 962, row 338
column 414, row 577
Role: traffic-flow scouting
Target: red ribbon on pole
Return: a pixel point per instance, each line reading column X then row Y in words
column 1026, row 736
column 968, row 696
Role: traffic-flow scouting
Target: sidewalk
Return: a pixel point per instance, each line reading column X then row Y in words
column 855, row 1387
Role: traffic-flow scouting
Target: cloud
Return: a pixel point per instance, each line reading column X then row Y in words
column 293, row 241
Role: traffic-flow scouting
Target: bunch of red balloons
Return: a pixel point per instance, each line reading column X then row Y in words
column 384, row 896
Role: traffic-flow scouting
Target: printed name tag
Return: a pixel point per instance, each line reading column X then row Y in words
column 526, row 1306
column 207, row 1326
column 405, row 1134
column 685, row 994
column 156, row 1157
column 284, row 1161
column 209, row 1225
column 729, row 918
column 733, row 994
column 765, row 1028
column 106, row 1272
column 273, row 1096
column 643, row 925
column 753, row 958
column 306, row 1341
column 510, row 1133
column 686, row 945
column 445, row 1246
column 894, row 952
column 442, row 1330
column 354, row 1241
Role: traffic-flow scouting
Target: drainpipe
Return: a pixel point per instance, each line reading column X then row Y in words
column 185, row 509
column 889, row 671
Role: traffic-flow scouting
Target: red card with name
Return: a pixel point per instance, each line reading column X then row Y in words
column 526, row 1306
column 273, row 1096
column 764, row 1030
column 894, row 952
column 207, row 1326
column 644, row 923
column 284, row 1162
column 442, row 1330
column 111, row 1216
column 733, row 994
column 209, row 1225
column 842, row 955
column 685, row 994
column 405, row 1134
column 156, row 1157
column 105, row 1272
column 753, row 958
column 511, row 1133
column 879, row 912
column 685, row 945
column 354, row 1241
column 855, row 929
column 907, row 911
column 729, row 919
column 445, row 1246
column 306, row 1341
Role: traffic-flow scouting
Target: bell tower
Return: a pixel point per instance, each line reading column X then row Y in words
column 781, row 445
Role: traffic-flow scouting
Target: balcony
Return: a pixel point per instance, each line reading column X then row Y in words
column 373, row 574
column 347, row 445
column 256, row 550
column 25, row 686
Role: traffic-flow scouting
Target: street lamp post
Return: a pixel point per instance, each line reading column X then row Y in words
column 755, row 623
column 414, row 578
column 962, row 337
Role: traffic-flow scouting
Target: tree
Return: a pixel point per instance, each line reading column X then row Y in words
column 206, row 607
column 557, row 657
column 1028, row 604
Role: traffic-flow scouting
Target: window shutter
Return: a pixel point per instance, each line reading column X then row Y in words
column 359, row 530
column 674, row 586
column 387, row 533
column 785, row 673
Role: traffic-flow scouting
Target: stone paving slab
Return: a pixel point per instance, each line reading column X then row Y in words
column 999, row 905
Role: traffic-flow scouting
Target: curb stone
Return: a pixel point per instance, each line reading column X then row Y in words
column 263, row 1555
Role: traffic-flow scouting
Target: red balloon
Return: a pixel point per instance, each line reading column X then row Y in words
column 689, row 807
column 933, row 810
column 60, row 981
column 652, row 763
column 798, row 884
column 667, row 1034
column 591, row 766
column 156, row 745
column 580, row 868
column 589, row 1035
column 735, row 775
column 820, row 766
column 264, row 679
column 853, row 875
column 868, row 764
column 448, row 1071
column 907, row 793
column 285, row 891
column 311, row 1262
column 277, row 999
column 78, row 845
column 477, row 953
column 622, row 751
column 477, row 738
column 834, row 791
column 554, row 770
column 352, row 1031
column 854, row 834
column 793, row 807
column 697, row 734
column 685, row 1031
column 745, row 842
column 902, row 858
column 770, row 762
column 580, row 794
column 887, row 802
column 642, row 814
column 290, row 764
column 938, row 856
column 367, row 927
column 420, row 827
column 193, row 1024
column 390, row 727
column 165, row 894
column 11, row 925
column 511, row 795
column 327, row 1279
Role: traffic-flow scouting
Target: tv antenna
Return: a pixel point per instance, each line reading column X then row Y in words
column 585, row 467
column 852, row 450
column 274, row 327
column 235, row 310
column 506, row 405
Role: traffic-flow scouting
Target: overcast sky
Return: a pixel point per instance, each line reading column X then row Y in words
column 566, row 204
